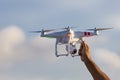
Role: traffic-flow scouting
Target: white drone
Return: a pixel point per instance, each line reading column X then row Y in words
column 69, row 37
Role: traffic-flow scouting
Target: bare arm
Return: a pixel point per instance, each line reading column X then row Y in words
column 95, row 71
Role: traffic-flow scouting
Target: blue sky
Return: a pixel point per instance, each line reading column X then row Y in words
column 25, row 56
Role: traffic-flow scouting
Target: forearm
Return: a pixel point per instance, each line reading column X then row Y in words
column 95, row 71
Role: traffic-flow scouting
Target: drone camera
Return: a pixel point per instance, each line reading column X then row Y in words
column 74, row 51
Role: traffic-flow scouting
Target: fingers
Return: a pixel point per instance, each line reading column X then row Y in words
column 80, row 50
column 84, row 51
column 84, row 47
column 81, row 47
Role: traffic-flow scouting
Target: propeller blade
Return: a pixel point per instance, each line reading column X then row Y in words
column 42, row 30
column 51, row 30
column 48, row 30
column 35, row 31
column 58, row 29
column 66, row 28
column 99, row 29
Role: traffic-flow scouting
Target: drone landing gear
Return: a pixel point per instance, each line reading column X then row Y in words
column 68, row 47
column 74, row 55
column 56, row 51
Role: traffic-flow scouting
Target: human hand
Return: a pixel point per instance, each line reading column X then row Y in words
column 84, row 51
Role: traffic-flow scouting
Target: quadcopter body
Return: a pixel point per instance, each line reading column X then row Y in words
column 69, row 37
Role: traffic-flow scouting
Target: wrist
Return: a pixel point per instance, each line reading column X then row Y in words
column 87, row 59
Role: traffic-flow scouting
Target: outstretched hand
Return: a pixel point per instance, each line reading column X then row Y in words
column 84, row 51
column 95, row 71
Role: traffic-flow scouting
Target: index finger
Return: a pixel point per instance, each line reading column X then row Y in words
column 81, row 48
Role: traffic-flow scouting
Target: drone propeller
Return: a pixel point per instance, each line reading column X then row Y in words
column 66, row 28
column 35, row 31
column 99, row 29
column 42, row 31
column 69, row 27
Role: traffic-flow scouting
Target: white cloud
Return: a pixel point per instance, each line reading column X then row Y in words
column 108, row 61
column 15, row 47
column 45, row 47
column 108, row 58
column 10, row 37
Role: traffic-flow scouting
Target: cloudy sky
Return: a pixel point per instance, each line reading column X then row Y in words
column 25, row 56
